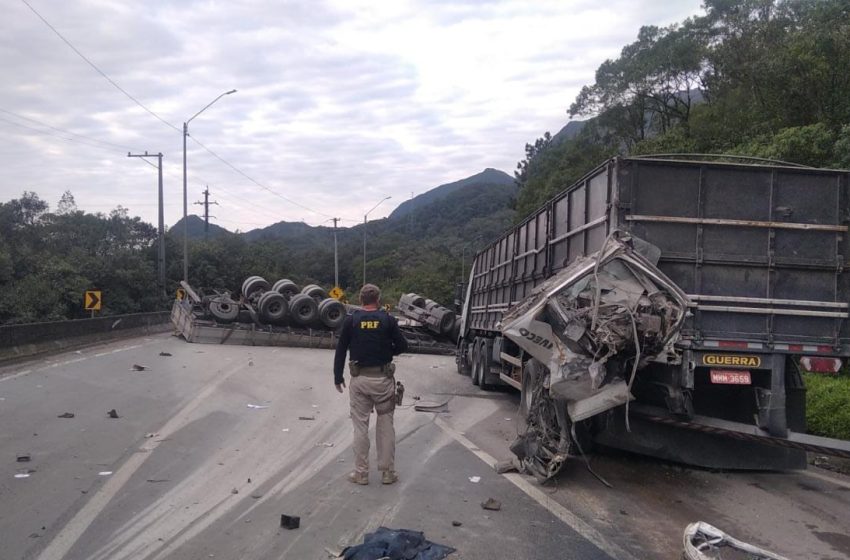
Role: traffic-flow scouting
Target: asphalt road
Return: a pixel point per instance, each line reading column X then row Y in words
column 194, row 472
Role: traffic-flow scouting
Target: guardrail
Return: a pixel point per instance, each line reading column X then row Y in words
column 29, row 339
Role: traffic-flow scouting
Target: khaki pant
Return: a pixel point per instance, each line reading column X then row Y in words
column 378, row 393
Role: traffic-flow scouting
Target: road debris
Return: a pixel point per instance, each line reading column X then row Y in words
column 456, row 523
column 290, row 521
column 475, row 479
column 150, row 435
column 306, row 417
column 396, row 544
column 432, row 407
column 307, row 388
column 104, row 473
column 325, row 444
column 22, row 475
column 706, row 542
column 23, row 458
column 503, row 467
column 234, row 491
column 157, row 480
column 491, row 504
column 138, row 367
column 66, row 415
column 165, row 353
column 284, row 429
column 590, row 329
column 256, row 495
column 113, row 413
column 257, row 406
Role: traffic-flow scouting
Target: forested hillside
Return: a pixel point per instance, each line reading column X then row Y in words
column 751, row 77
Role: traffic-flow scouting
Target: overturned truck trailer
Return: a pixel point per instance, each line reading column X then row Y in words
column 659, row 305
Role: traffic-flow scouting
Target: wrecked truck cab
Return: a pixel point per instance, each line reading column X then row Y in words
column 589, row 330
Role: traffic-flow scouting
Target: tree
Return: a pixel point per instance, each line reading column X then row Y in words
column 67, row 204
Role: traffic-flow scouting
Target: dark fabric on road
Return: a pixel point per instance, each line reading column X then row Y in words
column 396, row 544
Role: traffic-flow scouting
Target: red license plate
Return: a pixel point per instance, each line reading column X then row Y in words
column 730, row 377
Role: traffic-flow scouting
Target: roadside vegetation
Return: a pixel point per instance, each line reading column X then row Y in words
column 828, row 404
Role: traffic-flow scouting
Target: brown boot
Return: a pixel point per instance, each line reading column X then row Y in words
column 389, row 477
column 358, row 478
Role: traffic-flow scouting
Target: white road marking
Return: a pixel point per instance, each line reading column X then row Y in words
column 73, row 530
column 15, row 376
column 826, row 478
column 533, row 492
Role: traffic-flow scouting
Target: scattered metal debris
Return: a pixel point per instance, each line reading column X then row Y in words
column 290, row 521
column 234, row 491
column 284, row 429
column 325, row 444
column 138, row 367
column 491, row 504
column 22, row 475
column 23, row 458
column 475, row 479
column 157, row 480
column 66, row 415
column 306, row 417
column 165, row 353
column 706, row 542
column 104, row 473
column 456, row 523
column 151, row 435
column 113, row 413
column 257, row 406
column 256, row 495
column 589, row 329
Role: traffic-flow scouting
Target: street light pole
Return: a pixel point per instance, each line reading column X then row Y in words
column 160, row 257
column 365, row 220
column 185, row 190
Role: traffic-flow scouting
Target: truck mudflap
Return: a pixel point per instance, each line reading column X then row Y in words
column 592, row 327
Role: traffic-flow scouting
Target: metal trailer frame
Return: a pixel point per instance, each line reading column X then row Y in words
column 760, row 249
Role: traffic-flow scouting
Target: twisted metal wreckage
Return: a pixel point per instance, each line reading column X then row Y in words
column 589, row 330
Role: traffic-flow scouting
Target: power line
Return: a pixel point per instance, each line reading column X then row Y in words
column 262, row 186
column 62, row 130
column 99, row 71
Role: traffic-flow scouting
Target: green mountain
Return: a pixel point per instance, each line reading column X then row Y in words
column 488, row 177
column 196, row 228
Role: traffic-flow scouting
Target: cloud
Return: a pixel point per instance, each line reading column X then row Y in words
column 340, row 102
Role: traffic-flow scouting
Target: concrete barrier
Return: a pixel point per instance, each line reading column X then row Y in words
column 31, row 339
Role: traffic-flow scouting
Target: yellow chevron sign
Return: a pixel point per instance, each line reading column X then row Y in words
column 92, row 301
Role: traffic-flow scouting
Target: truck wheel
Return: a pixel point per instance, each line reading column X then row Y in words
column 254, row 285
column 486, row 353
column 224, row 310
column 286, row 287
column 303, row 310
column 331, row 313
column 316, row 292
column 273, row 307
column 476, row 360
column 245, row 283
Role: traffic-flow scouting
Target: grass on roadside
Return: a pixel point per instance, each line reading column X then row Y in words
column 828, row 405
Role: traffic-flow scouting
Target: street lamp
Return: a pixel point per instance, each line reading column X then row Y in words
column 365, row 217
column 185, row 196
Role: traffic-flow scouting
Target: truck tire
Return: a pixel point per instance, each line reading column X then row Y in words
column 245, row 283
column 486, row 354
column 253, row 285
column 316, row 292
column 303, row 310
column 287, row 288
column 476, row 361
column 273, row 308
column 331, row 313
column 224, row 310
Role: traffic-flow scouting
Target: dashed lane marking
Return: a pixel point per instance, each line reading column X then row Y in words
column 533, row 492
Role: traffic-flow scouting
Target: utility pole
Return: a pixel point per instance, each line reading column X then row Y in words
column 206, row 204
column 161, row 247
column 336, row 257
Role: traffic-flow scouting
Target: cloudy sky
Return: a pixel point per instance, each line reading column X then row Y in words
column 339, row 103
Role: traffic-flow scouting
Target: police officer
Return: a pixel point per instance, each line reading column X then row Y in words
column 372, row 338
